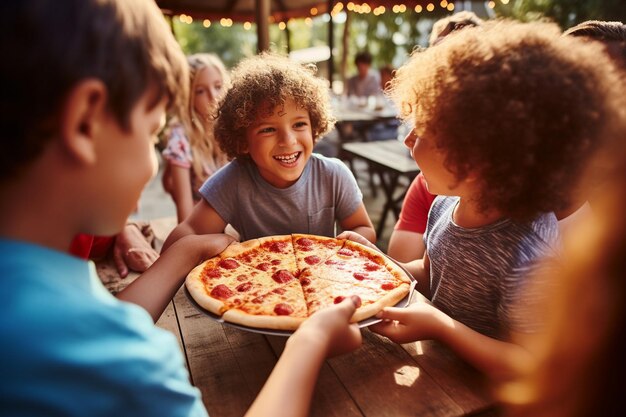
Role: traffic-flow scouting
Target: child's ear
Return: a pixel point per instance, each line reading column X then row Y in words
column 81, row 118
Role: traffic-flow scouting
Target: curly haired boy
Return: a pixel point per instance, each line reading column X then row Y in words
column 269, row 121
column 507, row 116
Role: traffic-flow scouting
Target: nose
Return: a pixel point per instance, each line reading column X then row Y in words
column 287, row 138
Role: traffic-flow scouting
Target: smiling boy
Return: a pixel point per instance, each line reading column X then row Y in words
column 268, row 122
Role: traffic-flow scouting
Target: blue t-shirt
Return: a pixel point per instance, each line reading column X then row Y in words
column 325, row 193
column 69, row 348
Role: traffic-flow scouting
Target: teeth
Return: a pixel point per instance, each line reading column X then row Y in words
column 290, row 158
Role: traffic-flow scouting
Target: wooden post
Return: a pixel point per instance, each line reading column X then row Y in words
column 331, row 42
column 262, row 24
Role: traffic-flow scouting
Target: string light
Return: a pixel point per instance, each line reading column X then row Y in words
column 314, row 11
column 247, row 25
column 206, row 23
column 418, row 9
column 450, row 7
column 282, row 25
column 491, row 4
column 430, row 7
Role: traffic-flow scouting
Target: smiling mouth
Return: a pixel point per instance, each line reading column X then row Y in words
column 288, row 159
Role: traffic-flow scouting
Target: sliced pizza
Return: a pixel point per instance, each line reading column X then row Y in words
column 312, row 250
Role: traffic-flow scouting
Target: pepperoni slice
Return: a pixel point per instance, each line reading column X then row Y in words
column 263, row 266
column 388, row 286
column 283, row 309
column 229, row 264
column 312, row 260
column 244, row 287
column 213, row 273
column 359, row 276
column 305, row 281
column 275, row 261
column 277, row 247
column 339, row 299
column 345, row 252
column 222, row 292
column 372, row 267
column 304, row 241
column 282, row 276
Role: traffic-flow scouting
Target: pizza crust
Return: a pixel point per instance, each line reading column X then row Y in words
column 197, row 289
column 238, row 316
column 390, row 299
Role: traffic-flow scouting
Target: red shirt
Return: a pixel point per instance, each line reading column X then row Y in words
column 415, row 208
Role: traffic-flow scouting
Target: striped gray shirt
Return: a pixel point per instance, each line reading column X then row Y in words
column 476, row 275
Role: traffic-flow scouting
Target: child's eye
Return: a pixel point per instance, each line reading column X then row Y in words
column 199, row 91
column 300, row 124
column 267, row 130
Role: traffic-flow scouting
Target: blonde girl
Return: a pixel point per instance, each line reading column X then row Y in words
column 192, row 154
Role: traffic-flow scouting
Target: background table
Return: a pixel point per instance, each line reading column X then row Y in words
column 381, row 378
column 391, row 160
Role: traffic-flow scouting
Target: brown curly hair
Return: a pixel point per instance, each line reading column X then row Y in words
column 261, row 83
column 517, row 104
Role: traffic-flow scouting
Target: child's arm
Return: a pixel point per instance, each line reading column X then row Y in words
column 360, row 222
column 180, row 189
column 202, row 220
column 422, row 321
column 326, row 333
column 156, row 287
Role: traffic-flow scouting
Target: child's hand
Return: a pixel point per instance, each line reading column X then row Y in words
column 202, row 247
column 132, row 251
column 330, row 328
column 419, row 321
column 355, row 237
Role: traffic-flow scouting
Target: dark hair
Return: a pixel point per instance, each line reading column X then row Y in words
column 519, row 105
column 49, row 46
column 263, row 82
column 363, row 57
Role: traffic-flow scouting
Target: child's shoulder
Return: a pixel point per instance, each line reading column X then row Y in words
column 323, row 163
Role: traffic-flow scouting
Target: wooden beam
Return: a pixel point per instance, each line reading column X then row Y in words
column 262, row 24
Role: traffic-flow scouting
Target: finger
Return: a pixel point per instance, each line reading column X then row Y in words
column 393, row 313
column 349, row 305
column 120, row 265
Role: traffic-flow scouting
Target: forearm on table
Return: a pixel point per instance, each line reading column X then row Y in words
column 183, row 229
column 497, row 359
column 156, row 287
column 295, row 373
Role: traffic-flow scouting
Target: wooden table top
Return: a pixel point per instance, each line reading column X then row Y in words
column 381, row 378
column 389, row 154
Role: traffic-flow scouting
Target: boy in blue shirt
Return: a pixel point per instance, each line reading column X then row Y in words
column 85, row 86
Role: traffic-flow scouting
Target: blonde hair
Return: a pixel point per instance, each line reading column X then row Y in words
column 207, row 156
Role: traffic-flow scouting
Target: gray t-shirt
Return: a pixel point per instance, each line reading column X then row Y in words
column 477, row 275
column 326, row 192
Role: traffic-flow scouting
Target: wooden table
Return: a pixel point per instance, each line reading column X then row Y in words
column 230, row 366
column 391, row 160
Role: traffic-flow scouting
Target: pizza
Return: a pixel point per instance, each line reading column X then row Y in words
column 277, row 282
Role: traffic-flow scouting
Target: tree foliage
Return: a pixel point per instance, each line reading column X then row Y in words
column 566, row 13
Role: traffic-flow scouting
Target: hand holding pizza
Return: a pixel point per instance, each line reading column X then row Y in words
column 355, row 237
column 331, row 328
column 419, row 321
